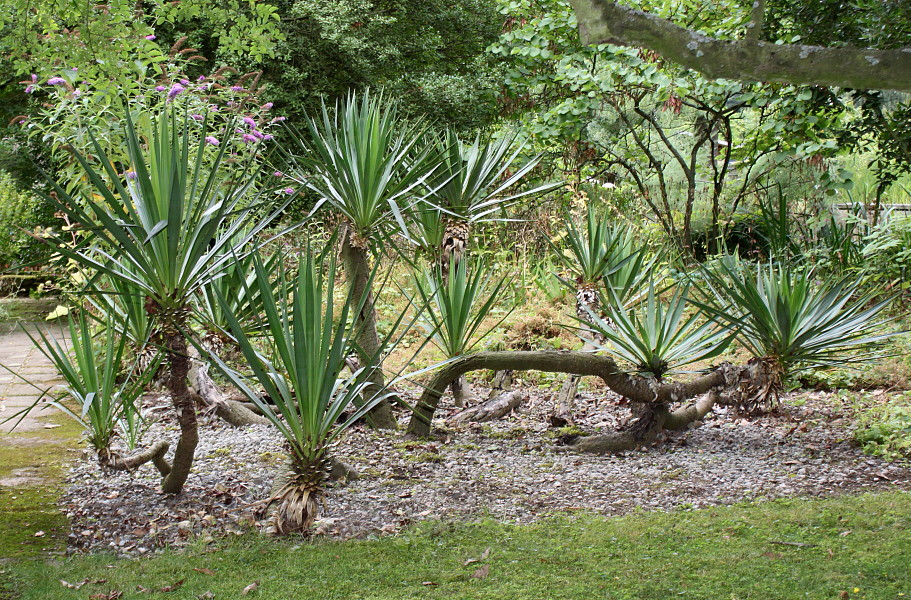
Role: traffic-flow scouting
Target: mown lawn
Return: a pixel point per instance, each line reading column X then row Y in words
column 850, row 547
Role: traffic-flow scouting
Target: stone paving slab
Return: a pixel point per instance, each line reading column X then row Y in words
column 18, row 354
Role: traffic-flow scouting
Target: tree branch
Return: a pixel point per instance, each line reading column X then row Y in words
column 601, row 21
column 636, row 388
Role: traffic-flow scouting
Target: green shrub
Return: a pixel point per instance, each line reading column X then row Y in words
column 19, row 210
column 884, row 429
column 887, row 253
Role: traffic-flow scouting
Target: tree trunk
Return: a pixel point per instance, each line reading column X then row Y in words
column 563, row 407
column 637, row 389
column 155, row 454
column 500, row 402
column 461, row 392
column 357, row 269
column 232, row 412
column 179, row 363
column 644, row 430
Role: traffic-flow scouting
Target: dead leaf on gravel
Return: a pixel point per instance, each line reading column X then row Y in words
column 250, row 588
column 205, row 571
column 482, row 572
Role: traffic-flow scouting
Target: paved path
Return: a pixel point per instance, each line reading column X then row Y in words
column 24, row 362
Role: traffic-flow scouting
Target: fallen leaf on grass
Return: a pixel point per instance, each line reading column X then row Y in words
column 73, row 586
column 428, row 583
column 205, row 596
column 205, row 571
column 483, row 557
column 772, row 555
column 482, row 572
column 39, row 534
column 172, row 587
column 112, row 595
column 250, row 588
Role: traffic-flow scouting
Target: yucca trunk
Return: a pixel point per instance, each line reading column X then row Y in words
column 179, row 368
column 586, row 303
column 357, row 269
column 454, row 247
column 300, row 499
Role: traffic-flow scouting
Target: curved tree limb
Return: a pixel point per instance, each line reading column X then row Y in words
column 155, row 454
column 749, row 59
column 637, row 389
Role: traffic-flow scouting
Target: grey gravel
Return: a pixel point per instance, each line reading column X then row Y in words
column 510, row 470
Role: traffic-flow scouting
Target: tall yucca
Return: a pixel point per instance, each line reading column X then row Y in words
column 298, row 361
column 367, row 164
column 472, row 183
column 168, row 227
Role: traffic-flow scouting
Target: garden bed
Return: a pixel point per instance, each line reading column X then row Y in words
column 511, row 470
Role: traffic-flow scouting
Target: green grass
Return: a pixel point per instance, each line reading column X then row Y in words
column 858, row 543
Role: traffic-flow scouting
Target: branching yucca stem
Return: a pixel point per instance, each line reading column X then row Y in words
column 637, row 389
column 357, row 270
column 179, row 363
column 155, row 454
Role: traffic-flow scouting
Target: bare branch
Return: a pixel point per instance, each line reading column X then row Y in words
column 601, row 21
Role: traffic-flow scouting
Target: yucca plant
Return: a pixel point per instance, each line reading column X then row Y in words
column 457, row 308
column 97, row 394
column 657, row 337
column 603, row 254
column 121, row 299
column 166, row 228
column 472, row 183
column 790, row 323
column 298, row 362
column 367, row 164
column 244, row 301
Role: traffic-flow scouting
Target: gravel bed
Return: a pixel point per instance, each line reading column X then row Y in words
column 510, row 470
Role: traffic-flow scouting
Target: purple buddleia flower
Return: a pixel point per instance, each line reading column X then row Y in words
column 131, row 175
column 175, row 90
column 250, row 122
column 34, row 78
column 289, row 191
column 211, row 140
column 196, row 117
column 268, row 137
column 201, row 78
column 56, row 81
column 278, row 174
column 160, row 88
column 185, row 82
column 267, row 106
column 249, row 139
column 237, row 88
column 29, row 89
column 150, row 37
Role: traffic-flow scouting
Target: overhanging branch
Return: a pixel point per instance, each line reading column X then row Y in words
column 601, row 21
